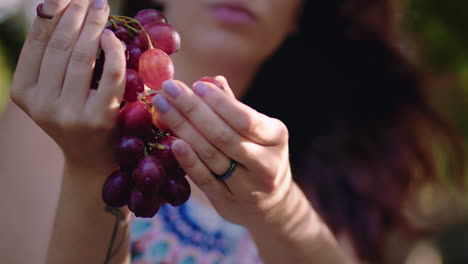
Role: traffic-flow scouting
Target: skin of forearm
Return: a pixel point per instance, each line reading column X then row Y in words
column 85, row 230
column 294, row 233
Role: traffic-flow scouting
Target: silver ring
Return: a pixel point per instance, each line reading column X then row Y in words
column 40, row 12
column 228, row 173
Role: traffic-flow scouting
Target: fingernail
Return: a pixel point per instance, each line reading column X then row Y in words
column 200, row 88
column 161, row 103
column 211, row 80
column 178, row 147
column 171, row 88
column 107, row 31
column 99, row 4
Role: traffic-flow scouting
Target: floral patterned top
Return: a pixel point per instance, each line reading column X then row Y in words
column 192, row 233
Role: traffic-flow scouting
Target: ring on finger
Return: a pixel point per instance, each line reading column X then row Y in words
column 228, row 173
column 40, row 12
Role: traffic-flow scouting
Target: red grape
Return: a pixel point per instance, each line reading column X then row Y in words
column 147, row 16
column 149, row 175
column 134, row 86
column 155, row 67
column 134, row 54
column 162, row 35
column 123, row 34
column 135, row 119
column 116, row 189
column 176, row 191
column 137, row 43
column 143, row 205
column 163, row 151
column 129, row 151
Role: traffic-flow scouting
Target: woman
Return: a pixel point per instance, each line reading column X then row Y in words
column 261, row 196
column 355, row 142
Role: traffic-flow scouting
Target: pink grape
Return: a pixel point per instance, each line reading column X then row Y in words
column 144, row 205
column 135, row 119
column 157, row 121
column 149, row 175
column 155, row 67
column 116, row 189
column 163, row 36
column 211, row 80
column 146, row 16
column 130, row 150
column 134, row 86
column 176, row 191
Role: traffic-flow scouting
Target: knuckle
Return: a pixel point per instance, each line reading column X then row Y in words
column 283, row 131
column 96, row 22
column 246, row 124
column 38, row 36
column 78, row 6
column 70, row 124
column 100, row 126
column 268, row 184
column 115, row 72
column 221, row 138
column 205, row 183
column 188, row 164
column 82, row 56
column 61, row 41
column 42, row 117
column 16, row 96
column 254, row 199
column 52, row 5
column 67, row 120
column 207, row 153
column 190, row 108
column 179, row 124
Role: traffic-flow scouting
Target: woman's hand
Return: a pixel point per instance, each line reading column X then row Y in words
column 215, row 128
column 53, row 78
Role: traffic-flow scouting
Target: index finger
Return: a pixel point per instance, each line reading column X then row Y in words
column 248, row 122
column 30, row 59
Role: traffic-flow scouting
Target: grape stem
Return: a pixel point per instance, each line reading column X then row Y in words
column 124, row 20
column 114, row 25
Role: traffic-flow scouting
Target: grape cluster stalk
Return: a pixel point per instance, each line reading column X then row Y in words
column 148, row 175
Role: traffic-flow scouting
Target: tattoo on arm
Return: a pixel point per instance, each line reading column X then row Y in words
column 119, row 217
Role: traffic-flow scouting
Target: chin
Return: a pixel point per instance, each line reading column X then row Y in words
column 225, row 45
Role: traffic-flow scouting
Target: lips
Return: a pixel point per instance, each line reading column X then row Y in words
column 232, row 13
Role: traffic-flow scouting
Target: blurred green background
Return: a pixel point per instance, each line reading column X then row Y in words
column 434, row 31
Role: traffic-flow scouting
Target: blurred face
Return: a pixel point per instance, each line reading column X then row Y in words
column 248, row 31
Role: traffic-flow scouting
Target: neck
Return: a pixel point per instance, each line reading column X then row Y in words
column 189, row 68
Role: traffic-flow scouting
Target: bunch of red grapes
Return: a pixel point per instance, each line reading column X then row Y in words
column 148, row 175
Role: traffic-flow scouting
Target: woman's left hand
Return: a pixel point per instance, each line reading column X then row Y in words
column 214, row 128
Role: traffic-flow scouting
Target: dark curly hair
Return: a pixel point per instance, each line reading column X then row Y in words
column 362, row 131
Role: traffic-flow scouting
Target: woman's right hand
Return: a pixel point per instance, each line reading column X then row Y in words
column 52, row 80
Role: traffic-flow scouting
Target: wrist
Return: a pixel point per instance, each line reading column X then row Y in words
column 86, row 183
column 297, row 231
column 292, row 215
column 96, row 171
